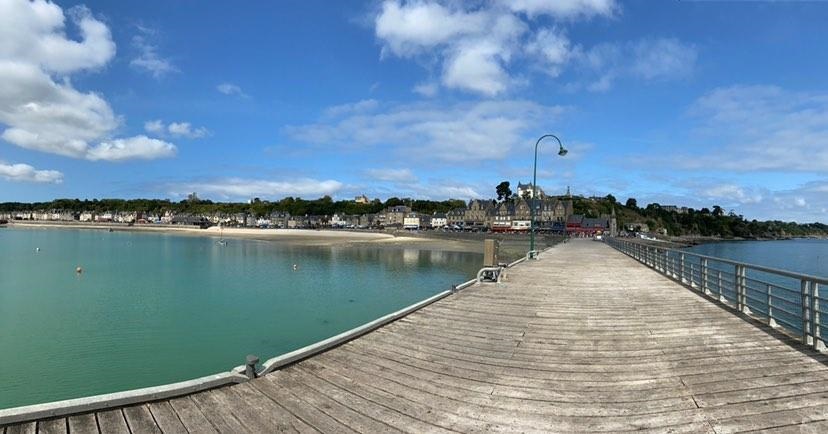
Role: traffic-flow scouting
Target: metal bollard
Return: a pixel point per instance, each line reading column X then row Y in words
column 250, row 366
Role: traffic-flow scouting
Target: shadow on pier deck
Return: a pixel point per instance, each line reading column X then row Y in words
column 586, row 339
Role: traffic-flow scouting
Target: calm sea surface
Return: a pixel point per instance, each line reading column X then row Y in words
column 808, row 257
column 151, row 309
column 802, row 256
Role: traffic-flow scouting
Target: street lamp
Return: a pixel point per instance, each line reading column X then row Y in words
column 561, row 152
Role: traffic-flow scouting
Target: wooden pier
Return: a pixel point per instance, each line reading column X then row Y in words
column 585, row 339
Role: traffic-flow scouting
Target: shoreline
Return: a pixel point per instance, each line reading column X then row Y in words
column 511, row 246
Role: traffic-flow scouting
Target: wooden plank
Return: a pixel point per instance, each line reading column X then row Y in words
column 192, row 418
column 313, row 416
column 22, row 428
column 257, row 413
column 217, row 410
column 359, row 417
column 83, row 423
column 166, row 418
column 52, row 426
column 140, row 421
column 112, row 421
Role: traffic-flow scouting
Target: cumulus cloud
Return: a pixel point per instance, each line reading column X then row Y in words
column 761, row 128
column 648, row 59
column 563, row 8
column 466, row 132
column 147, row 58
column 241, row 188
column 26, row 173
column 231, row 89
column 34, row 33
column 394, row 175
column 38, row 105
column 477, row 46
column 175, row 129
column 731, row 193
column 138, row 147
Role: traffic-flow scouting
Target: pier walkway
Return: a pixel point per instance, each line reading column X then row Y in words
column 585, row 339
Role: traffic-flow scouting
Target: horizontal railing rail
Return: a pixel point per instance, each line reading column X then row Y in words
column 782, row 298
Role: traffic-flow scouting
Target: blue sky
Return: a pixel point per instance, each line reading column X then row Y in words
column 687, row 103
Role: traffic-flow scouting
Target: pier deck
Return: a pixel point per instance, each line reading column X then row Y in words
column 586, row 339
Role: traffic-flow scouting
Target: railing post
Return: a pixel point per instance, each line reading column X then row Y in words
column 681, row 268
column 704, row 276
column 692, row 272
column 743, row 285
column 771, row 321
column 737, row 287
column 806, row 313
column 816, row 333
column 719, row 287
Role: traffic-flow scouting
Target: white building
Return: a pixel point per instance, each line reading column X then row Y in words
column 439, row 221
column 411, row 221
column 338, row 221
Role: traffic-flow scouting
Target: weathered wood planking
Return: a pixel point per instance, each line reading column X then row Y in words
column 586, row 339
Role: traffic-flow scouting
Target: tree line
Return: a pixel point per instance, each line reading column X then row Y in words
column 257, row 207
column 708, row 222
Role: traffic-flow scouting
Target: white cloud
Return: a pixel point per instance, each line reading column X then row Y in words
column 464, row 132
column 408, row 28
column 664, row 58
column 659, row 59
column 157, row 126
column 138, row 147
column 362, row 106
column 761, row 128
column 428, row 90
column 231, row 89
column 34, row 33
column 40, row 112
column 395, row 175
column 147, row 57
column 175, row 129
column 553, row 47
column 477, row 45
column 26, row 173
column 236, row 188
column 731, row 193
column 184, row 129
column 563, row 8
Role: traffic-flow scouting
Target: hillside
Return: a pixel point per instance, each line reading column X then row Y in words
column 706, row 222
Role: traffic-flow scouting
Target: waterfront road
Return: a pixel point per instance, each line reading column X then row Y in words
column 585, row 339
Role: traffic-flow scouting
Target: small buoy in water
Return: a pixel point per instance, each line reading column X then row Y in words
column 79, row 270
column 37, row 249
column 295, row 267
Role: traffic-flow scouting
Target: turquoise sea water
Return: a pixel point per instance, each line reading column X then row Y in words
column 151, row 309
column 803, row 256
column 807, row 256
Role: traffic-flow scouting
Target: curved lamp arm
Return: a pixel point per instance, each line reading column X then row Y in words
column 561, row 152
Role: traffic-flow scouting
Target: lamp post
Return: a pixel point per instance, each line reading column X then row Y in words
column 561, row 152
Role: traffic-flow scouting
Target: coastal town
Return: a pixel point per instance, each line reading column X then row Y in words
column 553, row 214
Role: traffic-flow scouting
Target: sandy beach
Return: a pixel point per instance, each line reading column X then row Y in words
column 511, row 246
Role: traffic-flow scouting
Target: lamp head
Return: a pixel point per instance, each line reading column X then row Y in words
column 562, row 151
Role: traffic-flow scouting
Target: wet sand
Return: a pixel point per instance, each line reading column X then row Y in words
column 512, row 246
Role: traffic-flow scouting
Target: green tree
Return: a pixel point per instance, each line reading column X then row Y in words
column 503, row 191
column 632, row 203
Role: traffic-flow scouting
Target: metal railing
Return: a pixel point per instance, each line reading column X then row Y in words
column 783, row 299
